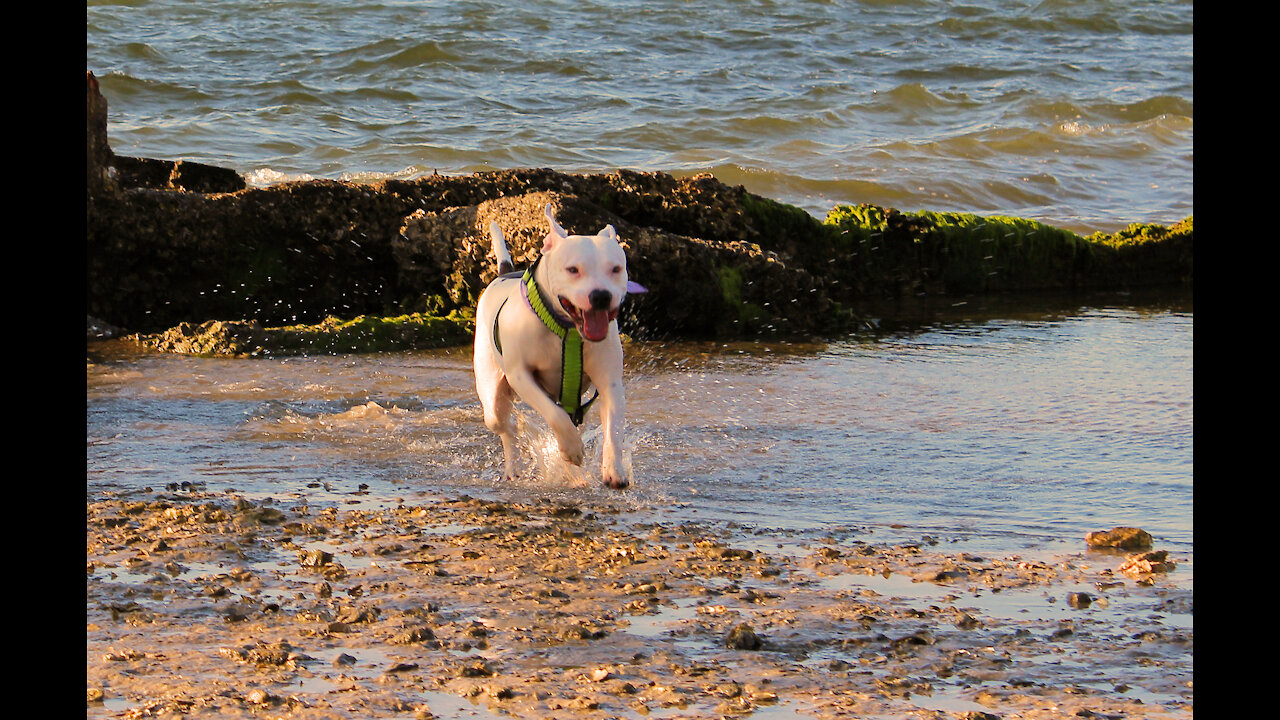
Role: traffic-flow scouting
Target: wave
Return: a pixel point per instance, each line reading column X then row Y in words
column 116, row 83
column 392, row 54
column 1103, row 110
column 423, row 53
column 915, row 96
column 141, row 51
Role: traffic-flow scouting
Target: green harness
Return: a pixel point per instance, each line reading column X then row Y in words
column 570, row 347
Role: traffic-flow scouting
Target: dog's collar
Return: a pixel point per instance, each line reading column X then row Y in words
column 541, row 306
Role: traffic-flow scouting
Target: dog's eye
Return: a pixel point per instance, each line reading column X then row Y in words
column 616, row 269
column 572, row 269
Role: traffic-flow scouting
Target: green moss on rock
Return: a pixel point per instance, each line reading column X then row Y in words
column 238, row 338
column 774, row 219
column 890, row 252
column 751, row 316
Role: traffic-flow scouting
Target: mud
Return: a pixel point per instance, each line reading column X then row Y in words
column 207, row 604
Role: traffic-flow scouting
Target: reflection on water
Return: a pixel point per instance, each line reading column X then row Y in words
column 1014, row 428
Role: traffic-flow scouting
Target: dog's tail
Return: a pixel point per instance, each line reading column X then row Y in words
column 500, row 251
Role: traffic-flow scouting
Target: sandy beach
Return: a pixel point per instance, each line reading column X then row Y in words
column 204, row 605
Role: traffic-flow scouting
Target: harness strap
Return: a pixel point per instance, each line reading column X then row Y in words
column 497, row 337
column 570, row 347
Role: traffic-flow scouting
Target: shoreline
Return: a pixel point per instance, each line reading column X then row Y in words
column 213, row 605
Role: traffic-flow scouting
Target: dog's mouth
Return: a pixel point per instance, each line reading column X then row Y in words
column 592, row 324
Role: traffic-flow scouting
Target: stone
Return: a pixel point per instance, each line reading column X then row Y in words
column 1155, row 561
column 742, row 637
column 97, row 149
column 1128, row 538
column 315, row 558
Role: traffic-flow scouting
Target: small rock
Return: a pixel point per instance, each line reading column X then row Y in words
column 501, row 692
column 917, row 638
column 413, row 635
column 743, row 637
column 344, row 659
column 315, row 558
column 939, row 574
column 1127, row 538
column 1079, row 599
column 259, row 697
column 736, row 706
column 353, row 615
column 580, row 632
column 479, row 668
column 1147, row 562
column 235, row 613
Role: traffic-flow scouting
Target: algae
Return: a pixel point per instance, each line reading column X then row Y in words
column 333, row 335
column 752, row 317
column 891, row 252
column 778, row 221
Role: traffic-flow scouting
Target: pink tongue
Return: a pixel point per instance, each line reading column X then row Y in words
column 595, row 324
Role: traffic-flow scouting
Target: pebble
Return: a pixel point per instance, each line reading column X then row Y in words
column 315, row 558
column 1147, row 562
column 1079, row 599
column 1128, row 538
column 743, row 637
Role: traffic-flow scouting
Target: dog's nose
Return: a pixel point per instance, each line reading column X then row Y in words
column 600, row 299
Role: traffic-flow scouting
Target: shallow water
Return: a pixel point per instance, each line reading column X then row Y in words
column 979, row 431
column 1080, row 114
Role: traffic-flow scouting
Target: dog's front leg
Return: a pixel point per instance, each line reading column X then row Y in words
column 604, row 366
column 613, row 411
column 527, row 387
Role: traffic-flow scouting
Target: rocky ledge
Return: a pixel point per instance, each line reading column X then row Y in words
column 177, row 242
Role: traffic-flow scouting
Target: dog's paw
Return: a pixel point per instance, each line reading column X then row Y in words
column 615, row 468
column 571, row 450
column 617, row 482
column 615, row 476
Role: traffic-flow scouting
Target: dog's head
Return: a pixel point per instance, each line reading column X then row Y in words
column 586, row 275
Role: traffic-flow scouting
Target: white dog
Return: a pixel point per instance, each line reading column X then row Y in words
column 544, row 333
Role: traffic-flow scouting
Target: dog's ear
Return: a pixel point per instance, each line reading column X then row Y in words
column 609, row 233
column 556, row 232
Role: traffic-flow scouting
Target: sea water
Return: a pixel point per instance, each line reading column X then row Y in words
column 1075, row 112
column 1011, row 435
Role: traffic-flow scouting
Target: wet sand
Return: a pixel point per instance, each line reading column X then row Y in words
column 205, row 604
